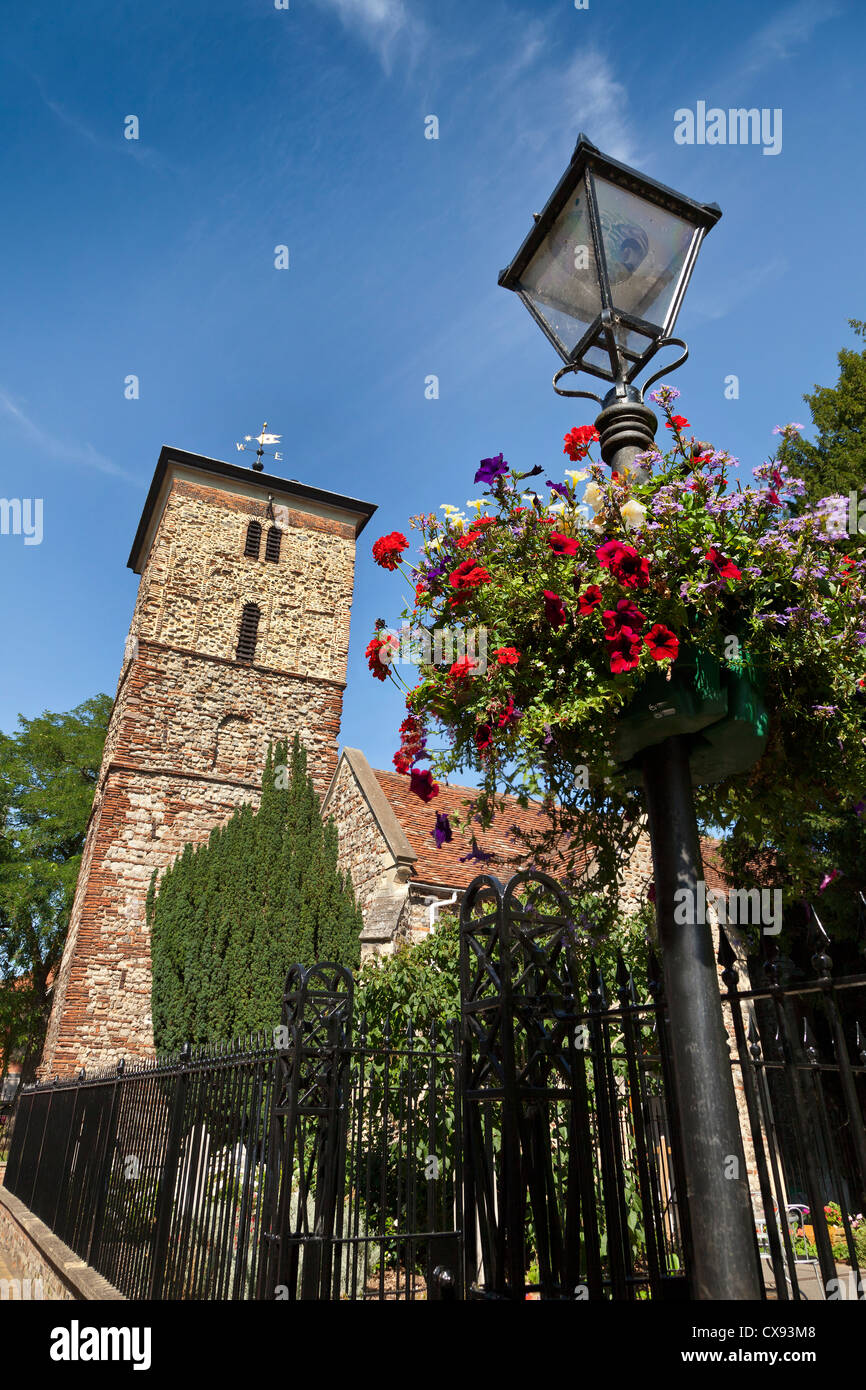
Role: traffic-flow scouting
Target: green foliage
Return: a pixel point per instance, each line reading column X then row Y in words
column 418, row 984
column 230, row 917
column 836, row 462
column 765, row 843
column 48, row 774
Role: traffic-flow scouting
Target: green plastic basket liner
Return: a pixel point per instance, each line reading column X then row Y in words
column 721, row 709
column 694, row 697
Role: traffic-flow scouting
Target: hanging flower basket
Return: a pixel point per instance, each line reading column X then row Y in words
column 591, row 618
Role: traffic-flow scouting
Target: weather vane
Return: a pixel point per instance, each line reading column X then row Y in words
column 261, row 439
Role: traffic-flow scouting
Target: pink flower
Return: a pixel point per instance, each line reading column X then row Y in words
column 422, row 784
column 589, row 599
column 662, row 643
column 625, row 651
column 625, row 615
column 562, row 545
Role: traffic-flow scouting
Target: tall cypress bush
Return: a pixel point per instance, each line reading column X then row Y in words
column 229, row 917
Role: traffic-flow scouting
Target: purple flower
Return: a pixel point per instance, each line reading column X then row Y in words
column 548, row 734
column 477, row 855
column 860, row 808
column 491, row 469
column 442, row 832
column 559, row 488
column 665, row 395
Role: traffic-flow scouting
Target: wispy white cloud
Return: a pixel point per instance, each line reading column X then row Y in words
column 60, row 450
column 385, row 25
column 595, row 101
column 135, row 149
column 783, row 35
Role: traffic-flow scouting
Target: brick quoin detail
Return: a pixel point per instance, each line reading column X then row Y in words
column 190, row 725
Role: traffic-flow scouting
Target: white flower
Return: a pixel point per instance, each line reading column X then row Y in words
column 633, row 514
column 478, row 503
column 556, row 507
column 594, row 497
column 447, row 508
column 577, row 475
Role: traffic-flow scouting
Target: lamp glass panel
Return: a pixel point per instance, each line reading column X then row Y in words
column 645, row 249
column 561, row 280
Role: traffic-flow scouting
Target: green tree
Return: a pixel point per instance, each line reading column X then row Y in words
column 836, row 461
column 48, row 774
column 230, row 917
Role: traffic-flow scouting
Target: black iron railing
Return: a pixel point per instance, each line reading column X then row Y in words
column 532, row 1150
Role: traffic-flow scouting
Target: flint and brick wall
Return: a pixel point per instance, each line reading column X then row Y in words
column 189, row 732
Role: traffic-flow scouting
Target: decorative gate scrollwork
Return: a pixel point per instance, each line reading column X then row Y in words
column 527, row 1143
column 305, row 1173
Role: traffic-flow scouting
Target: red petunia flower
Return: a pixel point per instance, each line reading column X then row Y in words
column 608, row 553
column 624, row 615
column 589, row 599
column 662, row 643
column 422, row 784
column 562, row 545
column 508, row 715
column 578, row 440
column 625, row 651
column 631, row 569
column 554, row 609
column 468, row 576
column 725, row 569
column 388, row 550
column 506, row 656
column 679, row 420
column 482, row 737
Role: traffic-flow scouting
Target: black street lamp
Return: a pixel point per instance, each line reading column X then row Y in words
column 603, row 272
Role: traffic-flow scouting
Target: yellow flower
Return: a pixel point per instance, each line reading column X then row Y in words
column 478, row 503
column 576, row 475
column 447, row 508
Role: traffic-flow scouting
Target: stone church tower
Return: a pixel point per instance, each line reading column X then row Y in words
column 240, row 636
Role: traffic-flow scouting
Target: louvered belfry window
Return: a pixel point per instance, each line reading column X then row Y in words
column 273, row 543
column 249, row 632
column 254, row 539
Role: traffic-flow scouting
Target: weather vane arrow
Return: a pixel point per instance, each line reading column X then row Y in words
column 261, row 439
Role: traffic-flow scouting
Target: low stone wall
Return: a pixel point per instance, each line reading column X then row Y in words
column 31, row 1252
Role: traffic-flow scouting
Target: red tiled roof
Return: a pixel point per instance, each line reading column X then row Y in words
column 433, row 865
column 443, row 866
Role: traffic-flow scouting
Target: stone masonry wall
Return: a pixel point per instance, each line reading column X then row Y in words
column 188, row 735
column 363, row 851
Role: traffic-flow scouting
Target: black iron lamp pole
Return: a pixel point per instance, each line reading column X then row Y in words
column 725, row 1263
column 603, row 273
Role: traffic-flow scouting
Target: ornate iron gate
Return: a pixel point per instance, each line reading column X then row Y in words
column 570, row 1153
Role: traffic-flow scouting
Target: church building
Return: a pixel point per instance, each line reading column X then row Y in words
column 240, row 636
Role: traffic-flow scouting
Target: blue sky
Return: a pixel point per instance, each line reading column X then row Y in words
column 305, row 127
